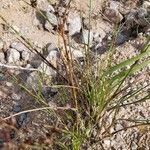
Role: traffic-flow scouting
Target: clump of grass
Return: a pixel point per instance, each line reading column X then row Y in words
column 88, row 94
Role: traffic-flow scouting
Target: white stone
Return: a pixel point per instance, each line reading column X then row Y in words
column 50, row 9
column 15, row 96
column 97, row 37
column 46, row 69
column 107, row 142
column 52, row 58
column 19, row 46
column 52, row 18
column 9, row 84
column 114, row 5
column 50, row 47
column 74, row 53
column 52, row 55
column 146, row 4
column 87, row 37
column 38, row 23
column 48, row 26
column 25, row 55
column 77, row 54
column 74, row 22
column 24, row 51
column 13, row 55
column 28, row 66
column 1, row 43
column 2, row 57
column 32, row 81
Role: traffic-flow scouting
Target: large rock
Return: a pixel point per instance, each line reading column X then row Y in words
column 74, row 22
column 13, row 56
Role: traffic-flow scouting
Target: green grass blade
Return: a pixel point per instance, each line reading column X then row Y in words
column 127, row 62
column 117, row 78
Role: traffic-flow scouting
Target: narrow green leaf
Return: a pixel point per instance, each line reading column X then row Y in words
column 127, row 62
column 138, row 67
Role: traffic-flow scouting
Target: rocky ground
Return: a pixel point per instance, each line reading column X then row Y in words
column 19, row 60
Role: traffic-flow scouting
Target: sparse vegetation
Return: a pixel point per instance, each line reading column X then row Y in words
column 90, row 93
